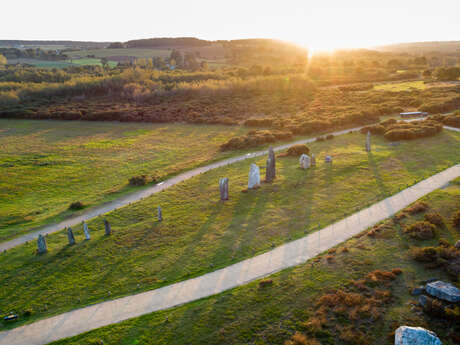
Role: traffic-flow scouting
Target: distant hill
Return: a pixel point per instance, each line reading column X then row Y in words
column 178, row 42
column 444, row 47
column 69, row 44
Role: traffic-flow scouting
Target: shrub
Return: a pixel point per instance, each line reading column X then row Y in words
column 435, row 219
column 297, row 150
column 265, row 283
column 376, row 129
column 329, row 136
column 418, row 207
column 425, row 254
column 456, row 219
column 138, row 180
column 320, row 139
column 421, row 230
column 77, row 205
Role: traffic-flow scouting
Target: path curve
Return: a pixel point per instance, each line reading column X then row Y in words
column 144, row 193
column 287, row 255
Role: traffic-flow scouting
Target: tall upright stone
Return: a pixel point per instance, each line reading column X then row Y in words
column 108, row 229
column 223, row 187
column 368, row 141
column 160, row 214
column 254, row 176
column 304, row 161
column 86, row 230
column 41, row 244
column 313, row 160
column 70, row 236
column 270, row 171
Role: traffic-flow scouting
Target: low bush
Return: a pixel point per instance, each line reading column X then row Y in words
column 297, row 150
column 435, row 219
column 255, row 138
column 77, row 205
column 138, row 180
column 418, row 207
column 329, row 136
column 422, row 230
column 456, row 219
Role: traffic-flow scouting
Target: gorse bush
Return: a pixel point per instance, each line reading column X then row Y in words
column 422, row 230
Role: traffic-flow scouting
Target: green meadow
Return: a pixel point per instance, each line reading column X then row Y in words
column 251, row 314
column 200, row 233
column 47, row 165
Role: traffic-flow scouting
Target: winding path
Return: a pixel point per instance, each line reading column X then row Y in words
column 287, row 255
column 144, row 193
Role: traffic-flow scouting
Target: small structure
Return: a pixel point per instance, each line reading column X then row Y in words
column 86, row 230
column 406, row 335
column 70, row 236
column 41, row 244
column 270, row 171
column 160, row 214
column 368, row 141
column 223, row 188
column 254, row 177
column 304, row 161
column 411, row 114
column 108, row 229
column 328, row 159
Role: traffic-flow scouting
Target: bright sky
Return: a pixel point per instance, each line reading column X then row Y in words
column 320, row 24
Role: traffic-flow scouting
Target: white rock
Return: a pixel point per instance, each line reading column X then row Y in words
column 304, row 161
column 254, row 176
column 406, row 335
column 86, row 231
column 444, row 291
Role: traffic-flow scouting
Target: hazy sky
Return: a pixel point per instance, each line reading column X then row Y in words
column 317, row 23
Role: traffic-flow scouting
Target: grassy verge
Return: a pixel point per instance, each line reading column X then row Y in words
column 271, row 315
column 201, row 234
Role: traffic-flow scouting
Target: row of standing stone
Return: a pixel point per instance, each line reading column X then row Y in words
column 305, row 162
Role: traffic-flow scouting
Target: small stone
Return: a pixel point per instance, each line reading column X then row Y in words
column 41, row 244
column 160, row 214
column 108, row 229
column 406, row 335
column 444, row 291
column 70, row 236
column 417, row 291
column 254, row 176
column 304, row 161
column 328, row 159
column 270, row 171
column 86, row 231
column 223, row 188
column 423, row 300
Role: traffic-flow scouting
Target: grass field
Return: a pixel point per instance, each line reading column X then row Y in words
column 91, row 62
column 271, row 315
column 201, row 234
column 46, row 165
column 140, row 53
column 41, row 63
column 397, row 87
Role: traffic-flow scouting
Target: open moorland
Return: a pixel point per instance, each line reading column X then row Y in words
column 356, row 293
column 48, row 165
column 201, row 234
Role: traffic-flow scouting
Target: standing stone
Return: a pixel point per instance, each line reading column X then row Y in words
column 70, row 236
column 304, row 161
column 406, row 335
column 86, row 230
column 108, row 230
column 313, row 160
column 254, row 176
column 328, row 159
column 41, row 244
column 160, row 214
column 270, row 171
column 368, row 141
column 223, row 187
